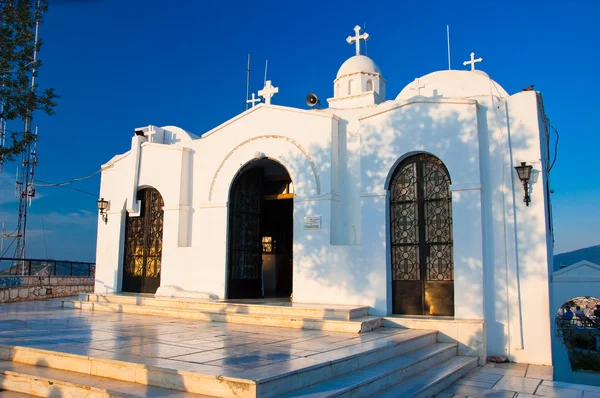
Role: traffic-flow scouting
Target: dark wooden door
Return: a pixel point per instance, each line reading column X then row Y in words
column 421, row 238
column 143, row 244
column 245, row 242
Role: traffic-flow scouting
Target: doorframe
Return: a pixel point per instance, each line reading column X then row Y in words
column 238, row 173
column 421, row 228
column 123, row 245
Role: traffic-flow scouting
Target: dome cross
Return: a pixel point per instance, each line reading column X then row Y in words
column 356, row 39
column 472, row 61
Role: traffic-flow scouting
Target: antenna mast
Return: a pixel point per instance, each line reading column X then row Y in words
column 366, row 48
column 448, row 39
column 266, row 66
column 24, row 182
column 248, row 81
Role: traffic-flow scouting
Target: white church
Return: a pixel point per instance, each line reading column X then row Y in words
column 428, row 204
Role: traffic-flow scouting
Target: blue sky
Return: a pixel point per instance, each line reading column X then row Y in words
column 123, row 64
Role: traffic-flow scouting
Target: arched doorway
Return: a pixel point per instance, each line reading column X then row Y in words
column 260, row 232
column 143, row 244
column 422, row 259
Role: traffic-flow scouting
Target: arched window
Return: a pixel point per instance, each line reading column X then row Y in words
column 420, row 209
column 350, row 84
column 369, row 85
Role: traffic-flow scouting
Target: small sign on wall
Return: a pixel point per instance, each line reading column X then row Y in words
column 313, row 222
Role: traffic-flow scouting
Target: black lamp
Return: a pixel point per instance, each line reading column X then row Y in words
column 103, row 206
column 524, row 172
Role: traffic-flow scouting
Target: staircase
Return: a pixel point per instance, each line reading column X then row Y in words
column 351, row 319
column 407, row 364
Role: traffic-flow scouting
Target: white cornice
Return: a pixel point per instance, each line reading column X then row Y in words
column 274, row 107
column 396, row 104
column 360, row 73
column 165, row 146
column 114, row 160
column 349, row 97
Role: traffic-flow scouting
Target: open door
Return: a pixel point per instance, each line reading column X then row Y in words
column 245, row 242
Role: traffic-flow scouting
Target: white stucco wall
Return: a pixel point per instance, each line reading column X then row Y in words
column 340, row 162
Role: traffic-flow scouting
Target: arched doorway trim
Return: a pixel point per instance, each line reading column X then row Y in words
column 421, row 243
column 303, row 151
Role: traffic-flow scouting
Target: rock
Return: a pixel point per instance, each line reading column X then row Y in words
column 497, row 359
column 23, row 293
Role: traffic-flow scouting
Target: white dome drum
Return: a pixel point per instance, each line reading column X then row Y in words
column 358, row 64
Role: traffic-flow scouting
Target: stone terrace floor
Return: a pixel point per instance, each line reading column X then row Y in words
column 205, row 347
column 192, row 345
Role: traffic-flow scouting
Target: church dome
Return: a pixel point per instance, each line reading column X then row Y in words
column 453, row 84
column 356, row 64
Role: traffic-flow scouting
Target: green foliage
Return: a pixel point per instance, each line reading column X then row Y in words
column 580, row 344
column 17, row 44
column 585, row 361
column 584, row 342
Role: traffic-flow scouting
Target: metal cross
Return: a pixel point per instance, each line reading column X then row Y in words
column 268, row 92
column 417, row 87
column 253, row 101
column 356, row 39
column 472, row 61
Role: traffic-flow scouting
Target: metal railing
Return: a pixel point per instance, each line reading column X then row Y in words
column 35, row 267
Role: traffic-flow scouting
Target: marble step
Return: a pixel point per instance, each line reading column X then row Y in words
column 432, row 381
column 343, row 312
column 370, row 380
column 13, row 394
column 30, row 380
column 264, row 381
column 357, row 325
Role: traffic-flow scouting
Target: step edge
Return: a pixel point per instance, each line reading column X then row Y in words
column 216, row 303
column 345, row 358
column 460, row 368
column 336, row 361
column 116, row 362
column 354, row 321
column 213, row 377
column 426, row 388
column 380, row 375
column 65, row 383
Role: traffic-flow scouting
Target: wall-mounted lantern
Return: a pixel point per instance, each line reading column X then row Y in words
column 103, row 207
column 524, row 172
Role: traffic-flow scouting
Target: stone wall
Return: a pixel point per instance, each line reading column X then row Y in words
column 24, row 288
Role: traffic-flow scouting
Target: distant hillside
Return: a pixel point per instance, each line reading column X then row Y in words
column 591, row 253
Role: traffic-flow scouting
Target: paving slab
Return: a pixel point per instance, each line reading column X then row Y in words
column 517, row 380
column 517, row 384
column 540, row 372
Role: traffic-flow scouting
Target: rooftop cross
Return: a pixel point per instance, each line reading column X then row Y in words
column 356, row 39
column 417, row 86
column 252, row 101
column 268, row 92
column 472, row 61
